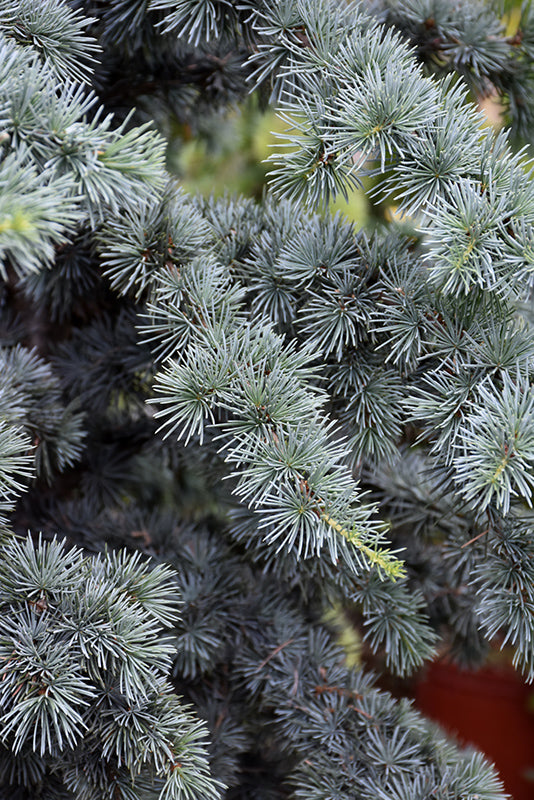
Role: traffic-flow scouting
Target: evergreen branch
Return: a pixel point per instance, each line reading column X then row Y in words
column 55, row 32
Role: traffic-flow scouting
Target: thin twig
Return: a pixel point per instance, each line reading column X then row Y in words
column 272, row 655
column 474, row 539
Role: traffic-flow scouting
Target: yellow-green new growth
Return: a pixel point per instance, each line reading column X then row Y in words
column 383, row 559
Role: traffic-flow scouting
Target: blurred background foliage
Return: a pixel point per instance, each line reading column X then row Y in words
column 227, row 154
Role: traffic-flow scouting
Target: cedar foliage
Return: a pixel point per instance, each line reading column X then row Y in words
column 220, row 419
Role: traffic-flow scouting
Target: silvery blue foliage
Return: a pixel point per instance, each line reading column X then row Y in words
column 294, row 414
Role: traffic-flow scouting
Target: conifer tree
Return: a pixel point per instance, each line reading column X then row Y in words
column 222, row 419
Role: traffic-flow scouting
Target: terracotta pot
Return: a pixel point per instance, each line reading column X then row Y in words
column 493, row 710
